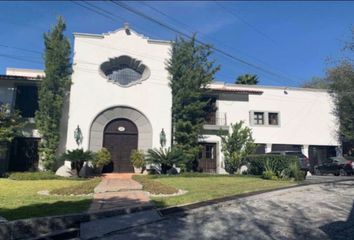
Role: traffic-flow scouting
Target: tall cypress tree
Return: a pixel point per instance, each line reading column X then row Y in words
column 53, row 89
column 191, row 71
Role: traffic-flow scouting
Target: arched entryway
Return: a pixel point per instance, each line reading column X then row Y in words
column 120, row 138
column 120, row 112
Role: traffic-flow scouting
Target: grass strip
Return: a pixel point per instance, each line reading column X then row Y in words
column 86, row 187
column 154, row 187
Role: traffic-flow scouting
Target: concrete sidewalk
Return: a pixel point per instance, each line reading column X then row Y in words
column 118, row 191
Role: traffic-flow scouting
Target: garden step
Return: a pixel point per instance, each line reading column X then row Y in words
column 101, row 227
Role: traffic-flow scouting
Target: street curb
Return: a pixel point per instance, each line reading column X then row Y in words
column 35, row 227
column 183, row 209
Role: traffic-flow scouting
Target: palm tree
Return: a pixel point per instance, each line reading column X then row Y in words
column 249, row 79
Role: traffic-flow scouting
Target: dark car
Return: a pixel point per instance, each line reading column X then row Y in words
column 335, row 165
column 303, row 160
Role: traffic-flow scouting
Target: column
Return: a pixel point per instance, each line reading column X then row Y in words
column 268, row 147
column 305, row 150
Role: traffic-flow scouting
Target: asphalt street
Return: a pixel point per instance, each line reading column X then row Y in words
column 321, row 211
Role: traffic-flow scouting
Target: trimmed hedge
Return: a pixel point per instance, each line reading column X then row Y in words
column 279, row 164
column 33, row 176
column 86, row 187
column 257, row 163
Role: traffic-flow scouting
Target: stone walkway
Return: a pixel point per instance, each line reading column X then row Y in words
column 118, row 191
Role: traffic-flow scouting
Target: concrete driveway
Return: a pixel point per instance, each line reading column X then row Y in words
column 323, row 211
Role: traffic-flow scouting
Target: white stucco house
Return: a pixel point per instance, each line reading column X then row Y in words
column 120, row 98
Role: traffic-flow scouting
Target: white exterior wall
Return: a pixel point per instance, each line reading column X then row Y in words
column 24, row 72
column 305, row 116
column 91, row 93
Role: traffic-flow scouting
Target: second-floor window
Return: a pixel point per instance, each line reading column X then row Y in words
column 27, row 100
column 264, row 118
column 211, row 109
column 273, row 119
column 258, row 118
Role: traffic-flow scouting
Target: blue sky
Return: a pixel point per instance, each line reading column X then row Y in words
column 293, row 40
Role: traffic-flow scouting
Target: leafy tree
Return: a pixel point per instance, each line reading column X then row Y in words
column 248, row 79
column 191, row 71
column 236, row 145
column 52, row 92
column 317, row 82
column 341, row 80
column 10, row 123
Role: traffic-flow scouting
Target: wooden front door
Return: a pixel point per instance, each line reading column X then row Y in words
column 207, row 157
column 120, row 138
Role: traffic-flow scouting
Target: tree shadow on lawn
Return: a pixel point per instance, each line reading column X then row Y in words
column 46, row 209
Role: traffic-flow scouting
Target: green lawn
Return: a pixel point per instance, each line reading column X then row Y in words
column 213, row 186
column 19, row 199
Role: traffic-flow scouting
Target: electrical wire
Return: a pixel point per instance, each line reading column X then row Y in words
column 227, row 10
column 205, row 35
column 220, row 51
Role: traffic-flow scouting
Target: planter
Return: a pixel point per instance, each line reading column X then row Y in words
column 138, row 170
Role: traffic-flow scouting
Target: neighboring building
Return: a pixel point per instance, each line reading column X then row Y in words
column 121, row 99
column 281, row 118
column 19, row 88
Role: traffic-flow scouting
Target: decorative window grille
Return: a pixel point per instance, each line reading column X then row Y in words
column 125, row 71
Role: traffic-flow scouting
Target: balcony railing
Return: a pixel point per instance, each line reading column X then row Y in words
column 216, row 119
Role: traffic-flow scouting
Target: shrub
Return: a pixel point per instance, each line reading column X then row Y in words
column 280, row 166
column 269, row 175
column 33, row 176
column 236, row 145
column 101, row 158
column 165, row 158
column 85, row 187
column 138, row 159
column 269, row 172
column 296, row 172
column 233, row 162
column 77, row 157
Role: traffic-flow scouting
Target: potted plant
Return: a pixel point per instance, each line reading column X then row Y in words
column 137, row 158
column 101, row 159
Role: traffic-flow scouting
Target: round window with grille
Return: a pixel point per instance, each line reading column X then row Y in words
column 124, row 71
